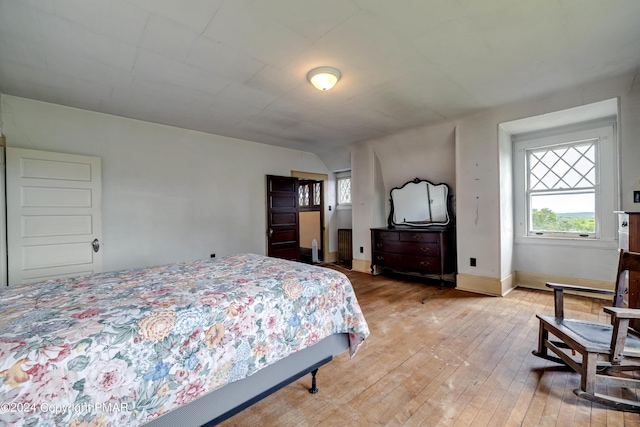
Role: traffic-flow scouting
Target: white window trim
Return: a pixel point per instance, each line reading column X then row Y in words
column 606, row 187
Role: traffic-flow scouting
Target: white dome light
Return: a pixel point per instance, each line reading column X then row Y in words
column 324, row 78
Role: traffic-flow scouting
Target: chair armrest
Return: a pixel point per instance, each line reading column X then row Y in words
column 623, row 313
column 563, row 287
column 558, row 295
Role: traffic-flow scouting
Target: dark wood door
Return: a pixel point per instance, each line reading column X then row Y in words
column 283, row 240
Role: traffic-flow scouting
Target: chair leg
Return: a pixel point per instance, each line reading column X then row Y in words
column 588, row 373
column 544, row 345
column 543, row 335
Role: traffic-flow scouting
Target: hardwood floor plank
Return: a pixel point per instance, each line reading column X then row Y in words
column 516, row 361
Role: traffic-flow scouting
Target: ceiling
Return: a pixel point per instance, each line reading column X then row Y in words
column 238, row 67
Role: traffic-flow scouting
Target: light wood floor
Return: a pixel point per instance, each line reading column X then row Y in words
column 459, row 359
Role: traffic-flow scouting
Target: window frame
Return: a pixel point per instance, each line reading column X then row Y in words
column 606, row 194
column 315, row 194
column 339, row 177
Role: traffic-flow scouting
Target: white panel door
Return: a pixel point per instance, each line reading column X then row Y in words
column 54, row 221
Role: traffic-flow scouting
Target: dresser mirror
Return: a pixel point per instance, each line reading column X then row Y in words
column 419, row 203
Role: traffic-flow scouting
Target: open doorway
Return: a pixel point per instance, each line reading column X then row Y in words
column 311, row 205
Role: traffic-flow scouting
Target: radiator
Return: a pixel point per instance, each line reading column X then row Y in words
column 345, row 247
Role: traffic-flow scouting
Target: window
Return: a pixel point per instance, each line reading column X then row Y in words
column 344, row 188
column 565, row 184
column 309, row 194
column 303, row 195
column 316, row 194
column 561, row 188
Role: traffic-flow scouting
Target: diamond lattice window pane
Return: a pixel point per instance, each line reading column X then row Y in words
column 539, row 170
column 303, row 195
column 551, row 180
column 584, row 166
column 344, row 191
column 572, row 178
column 586, row 150
column 572, row 156
column 316, row 194
column 591, row 176
column 561, row 152
column 563, row 167
column 549, row 158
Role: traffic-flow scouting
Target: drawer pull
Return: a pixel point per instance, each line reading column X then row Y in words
column 379, row 244
column 425, row 263
column 380, row 258
column 416, row 237
column 424, row 249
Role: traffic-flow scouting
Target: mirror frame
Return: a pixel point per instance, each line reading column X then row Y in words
column 392, row 224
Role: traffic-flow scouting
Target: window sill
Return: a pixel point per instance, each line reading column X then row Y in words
column 567, row 241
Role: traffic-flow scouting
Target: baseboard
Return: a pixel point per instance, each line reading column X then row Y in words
column 537, row 281
column 332, row 257
column 361, row 265
column 508, row 284
column 480, row 285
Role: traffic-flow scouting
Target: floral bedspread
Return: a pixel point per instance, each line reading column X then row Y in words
column 123, row 348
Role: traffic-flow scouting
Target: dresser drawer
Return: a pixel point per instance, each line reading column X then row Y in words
column 422, row 264
column 385, row 235
column 409, row 248
column 401, row 262
column 414, row 250
column 420, row 237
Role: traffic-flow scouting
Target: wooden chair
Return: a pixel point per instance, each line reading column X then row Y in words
column 598, row 352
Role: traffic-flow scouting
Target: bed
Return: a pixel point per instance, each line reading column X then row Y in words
column 193, row 342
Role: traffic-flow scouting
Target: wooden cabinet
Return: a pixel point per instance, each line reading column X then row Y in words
column 427, row 251
column 629, row 240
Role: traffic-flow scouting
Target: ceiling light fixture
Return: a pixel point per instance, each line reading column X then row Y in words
column 324, row 78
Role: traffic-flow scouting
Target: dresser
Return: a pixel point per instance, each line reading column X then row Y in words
column 427, row 251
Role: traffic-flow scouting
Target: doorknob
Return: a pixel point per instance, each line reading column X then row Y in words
column 96, row 245
column 270, row 232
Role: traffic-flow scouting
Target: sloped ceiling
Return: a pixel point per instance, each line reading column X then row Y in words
column 238, row 67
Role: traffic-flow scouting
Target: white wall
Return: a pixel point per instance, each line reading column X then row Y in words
column 505, row 158
column 478, row 196
column 426, row 153
column 484, row 231
column 331, row 215
column 169, row 194
column 485, row 237
column 379, row 165
column 367, row 198
column 344, row 217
